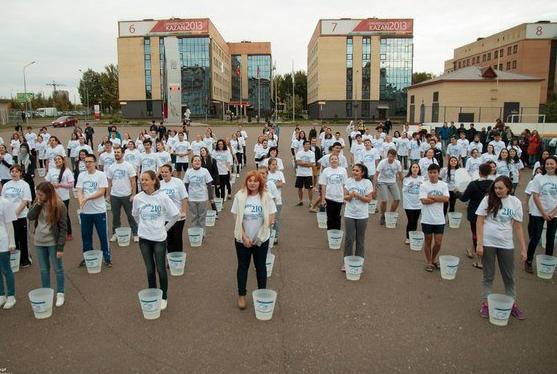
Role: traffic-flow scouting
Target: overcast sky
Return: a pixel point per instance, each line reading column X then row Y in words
column 66, row 35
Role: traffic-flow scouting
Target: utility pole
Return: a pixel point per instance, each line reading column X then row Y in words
column 25, row 90
column 54, row 85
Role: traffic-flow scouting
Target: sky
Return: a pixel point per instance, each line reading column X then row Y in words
column 63, row 36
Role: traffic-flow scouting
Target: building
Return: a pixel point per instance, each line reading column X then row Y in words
column 529, row 48
column 166, row 66
column 475, row 94
column 359, row 68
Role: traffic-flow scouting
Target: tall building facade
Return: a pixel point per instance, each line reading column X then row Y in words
column 359, row 68
column 166, row 66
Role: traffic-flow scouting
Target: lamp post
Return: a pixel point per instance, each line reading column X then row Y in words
column 25, row 90
column 275, row 89
column 86, row 97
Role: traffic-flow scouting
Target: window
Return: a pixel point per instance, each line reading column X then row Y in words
column 147, row 63
column 500, row 66
column 395, row 72
column 488, row 56
column 349, row 73
column 259, row 83
column 477, row 59
column 515, row 48
column 436, row 96
column 236, row 67
column 435, row 112
column 459, row 64
column 365, row 109
column 411, row 99
column 196, row 73
column 508, row 65
column 483, row 57
column 495, row 54
column 468, row 62
column 495, row 67
column 514, row 64
column 162, row 67
column 349, row 110
column 366, row 68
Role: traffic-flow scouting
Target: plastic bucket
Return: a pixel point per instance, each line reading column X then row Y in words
column 41, row 302
column 196, row 236
column 41, row 172
column 124, row 235
column 210, row 218
column 353, row 266
column 372, row 207
column 272, row 239
column 545, row 266
column 150, row 302
column 544, row 236
column 454, row 219
column 176, row 262
column 449, row 266
column 93, row 261
column 218, row 203
column 500, row 307
column 269, row 263
column 15, row 257
column 232, row 178
column 416, row 240
column 322, row 220
column 335, row 238
column 264, row 303
column 391, row 219
column 74, row 191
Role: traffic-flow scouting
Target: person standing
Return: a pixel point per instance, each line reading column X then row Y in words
column 62, row 180
column 224, row 161
column 386, row 180
column 91, row 189
column 28, row 163
column 49, row 214
column 254, row 211
column 7, row 246
column 276, row 176
column 199, row 186
column 6, row 162
column 152, row 209
column 176, row 191
column 332, row 180
column 182, row 150
column 499, row 215
column 411, row 198
column 305, row 159
column 121, row 177
column 89, row 131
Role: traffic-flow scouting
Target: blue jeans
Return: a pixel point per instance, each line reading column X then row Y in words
column 6, row 271
column 99, row 221
column 154, row 255
column 47, row 255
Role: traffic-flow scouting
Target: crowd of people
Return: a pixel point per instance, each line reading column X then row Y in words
column 165, row 178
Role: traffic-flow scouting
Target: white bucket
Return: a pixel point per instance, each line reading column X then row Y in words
column 391, row 219
column 545, row 266
column 353, row 266
column 416, row 240
column 93, row 261
column 210, row 218
column 196, row 236
column 15, row 257
column 544, row 237
column 500, row 307
column 335, row 238
column 150, row 302
column 41, row 302
column 454, row 219
column 124, row 235
column 372, row 207
column 449, row 266
column 218, row 203
column 269, row 264
column 264, row 303
column 41, row 172
column 79, row 216
column 74, row 191
column 272, row 239
column 176, row 262
column 322, row 220
column 232, row 178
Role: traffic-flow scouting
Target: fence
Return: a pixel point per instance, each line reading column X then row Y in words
column 422, row 113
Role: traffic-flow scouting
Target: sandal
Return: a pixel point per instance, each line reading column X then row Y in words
column 478, row 265
column 437, row 265
column 429, row 268
column 469, row 253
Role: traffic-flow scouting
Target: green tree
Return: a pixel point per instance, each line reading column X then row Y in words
column 283, row 83
column 550, row 110
column 90, row 86
column 109, row 88
column 418, row 77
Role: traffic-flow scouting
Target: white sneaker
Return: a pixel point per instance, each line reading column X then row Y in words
column 237, row 175
column 10, row 302
column 114, row 238
column 2, row 300
column 59, row 299
column 136, row 239
column 164, row 304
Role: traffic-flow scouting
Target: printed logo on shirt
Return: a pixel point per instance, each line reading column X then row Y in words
column 170, row 192
column 253, row 212
column 335, row 179
column 119, row 174
column 13, row 193
column 90, row 187
column 435, row 193
column 196, row 180
column 548, row 189
column 504, row 215
column 150, row 212
column 413, row 188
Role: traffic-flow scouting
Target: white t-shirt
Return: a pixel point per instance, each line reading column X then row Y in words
column 5, row 170
column 106, row 159
column 224, row 161
column 503, row 168
column 498, row 231
column 414, row 150
column 15, row 192
column 402, row 146
column 151, row 213
column 120, row 174
column 51, row 153
column 148, row 161
column 546, row 187
column 411, row 192
column 388, row 171
column 80, row 147
column 7, row 216
column 265, row 162
column 115, row 141
column 369, row 159
column 208, row 143
column 133, row 157
column 67, row 178
column 432, row 214
column 473, row 166
column 497, row 146
column 305, row 156
column 41, row 150
column 473, row 145
column 253, row 215
column 356, row 149
column 485, row 157
column 15, row 144
column 334, row 179
column 463, row 144
column 325, row 163
column 356, row 208
column 197, row 180
column 31, row 138
column 196, row 147
column 272, row 190
column 454, row 150
column 163, row 158
column 275, row 177
column 175, row 190
column 449, row 180
column 425, row 162
column 73, row 147
column 90, row 184
column 181, row 148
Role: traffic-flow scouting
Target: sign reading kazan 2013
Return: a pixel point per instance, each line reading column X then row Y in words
column 163, row 27
column 370, row 26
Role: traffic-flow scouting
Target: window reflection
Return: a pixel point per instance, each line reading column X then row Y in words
column 236, row 66
column 395, row 72
column 259, row 66
column 196, row 72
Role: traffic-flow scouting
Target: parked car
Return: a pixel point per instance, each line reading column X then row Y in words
column 64, row 121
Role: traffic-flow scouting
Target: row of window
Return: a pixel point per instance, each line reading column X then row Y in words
column 366, row 67
column 147, row 61
column 499, row 53
column 349, row 74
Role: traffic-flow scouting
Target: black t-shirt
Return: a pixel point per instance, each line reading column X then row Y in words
column 89, row 131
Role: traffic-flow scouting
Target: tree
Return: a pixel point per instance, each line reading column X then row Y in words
column 550, row 110
column 418, row 77
column 90, row 87
column 283, row 84
column 109, row 88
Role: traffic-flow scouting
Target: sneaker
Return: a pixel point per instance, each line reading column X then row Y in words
column 69, row 237
column 382, row 220
column 25, row 265
column 82, row 263
column 113, row 238
column 517, row 313
column 108, row 264
column 528, row 267
column 10, row 302
column 136, row 239
column 484, row 311
column 300, row 203
column 164, row 304
column 343, row 269
column 406, row 241
column 2, row 300
column 59, row 299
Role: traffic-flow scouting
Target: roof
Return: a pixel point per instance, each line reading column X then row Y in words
column 478, row 74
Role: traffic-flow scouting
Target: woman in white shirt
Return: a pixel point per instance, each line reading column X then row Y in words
column 515, row 165
column 448, row 176
column 276, row 176
column 63, row 181
column 133, row 156
column 40, row 148
column 198, row 182
column 15, row 143
column 223, row 157
column 273, row 153
column 415, row 148
column 499, row 215
column 411, row 198
column 7, row 246
column 80, row 165
column 176, row 191
column 254, row 211
column 237, row 151
column 489, row 155
column 428, row 159
column 332, row 180
column 151, row 209
column 403, row 150
column 72, row 149
column 473, row 164
column 54, row 148
column 503, row 163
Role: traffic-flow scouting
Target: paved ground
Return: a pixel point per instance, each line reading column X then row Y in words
column 397, row 318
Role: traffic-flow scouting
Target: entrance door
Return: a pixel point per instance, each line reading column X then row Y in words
column 510, row 108
column 382, row 113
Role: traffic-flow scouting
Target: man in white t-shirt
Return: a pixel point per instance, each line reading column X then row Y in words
column 182, row 150
column 91, row 188
column 148, row 160
column 305, row 160
column 122, row 185
column 386, row 180
column 107, row 157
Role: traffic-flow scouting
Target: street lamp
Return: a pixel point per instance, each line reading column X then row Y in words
column 25, row 90
column 86, row 96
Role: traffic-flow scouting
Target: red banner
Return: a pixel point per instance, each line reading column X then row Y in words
column 391, row 26
column 182, row 26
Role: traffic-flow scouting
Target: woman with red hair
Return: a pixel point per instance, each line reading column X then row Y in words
column 255, row 214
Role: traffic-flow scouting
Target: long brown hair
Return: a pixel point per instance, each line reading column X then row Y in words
column 494, row 203
column 52, row 202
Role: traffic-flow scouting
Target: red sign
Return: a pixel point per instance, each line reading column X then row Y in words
column 391, row 26
column 182, row 26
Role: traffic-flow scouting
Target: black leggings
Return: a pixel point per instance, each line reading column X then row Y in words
column 174, row 237
column 244, row 254
column 473, row 230
column 413, row 215
column 333, row 209
column 67, row 204
column 450, row 205
column 224, row 182
column 20, row 234
column 535, row 230
column 239, row 158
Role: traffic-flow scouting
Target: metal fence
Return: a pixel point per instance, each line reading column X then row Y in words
column 422, row 113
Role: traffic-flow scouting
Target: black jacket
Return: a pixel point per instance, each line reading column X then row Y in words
column 474, row 193
column 213, row 169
